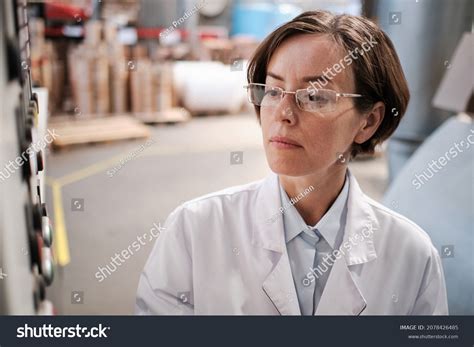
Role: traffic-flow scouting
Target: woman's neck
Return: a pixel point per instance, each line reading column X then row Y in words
column 326, row 188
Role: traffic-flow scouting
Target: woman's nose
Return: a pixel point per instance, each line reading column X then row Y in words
column 285, row 111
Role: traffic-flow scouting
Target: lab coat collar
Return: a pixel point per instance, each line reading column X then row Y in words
column 329, row 226
column 341, row 294
column 293, row 223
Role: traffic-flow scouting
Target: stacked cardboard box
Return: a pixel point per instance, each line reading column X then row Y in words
column 53, row 74
column 165, row 97
column 141, row 85
column 89, row 77
column 226, row 50
column 244, row 47
column 101, row 75
column 151, row 86
column 47, row 67
column 217, row 50
column 89, row 72
column 118, row 68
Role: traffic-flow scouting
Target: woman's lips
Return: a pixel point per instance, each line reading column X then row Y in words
column 284, row 143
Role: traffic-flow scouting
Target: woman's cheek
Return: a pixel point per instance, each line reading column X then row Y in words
column 323, row 145
column 265, row 124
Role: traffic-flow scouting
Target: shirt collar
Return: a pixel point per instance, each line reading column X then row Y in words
column 330, row 226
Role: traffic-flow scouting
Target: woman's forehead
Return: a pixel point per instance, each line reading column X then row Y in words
column 308, row 55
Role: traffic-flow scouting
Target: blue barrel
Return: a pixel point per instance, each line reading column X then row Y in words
column 260, row 19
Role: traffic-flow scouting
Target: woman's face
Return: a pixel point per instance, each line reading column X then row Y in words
column 320, row 138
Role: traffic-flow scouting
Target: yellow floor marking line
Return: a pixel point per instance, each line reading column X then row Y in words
column 60, row 231
column 60, row 235
column 90, row 170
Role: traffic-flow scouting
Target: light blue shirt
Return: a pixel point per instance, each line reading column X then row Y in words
column 307, row 246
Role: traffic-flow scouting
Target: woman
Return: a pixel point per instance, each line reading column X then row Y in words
column 305, row 240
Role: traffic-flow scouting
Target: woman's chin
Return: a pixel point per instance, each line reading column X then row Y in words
column 287, row 168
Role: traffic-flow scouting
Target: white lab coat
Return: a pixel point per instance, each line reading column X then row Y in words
column 223, row 254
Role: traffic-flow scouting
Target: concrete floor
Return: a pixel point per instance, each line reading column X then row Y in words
column 186, row 161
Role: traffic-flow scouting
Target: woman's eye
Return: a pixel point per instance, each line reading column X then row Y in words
column 271, row 93
column 318, row 98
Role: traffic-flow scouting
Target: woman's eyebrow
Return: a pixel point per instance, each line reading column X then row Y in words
column 275, row 76
column 305, row 79
column 317, row 78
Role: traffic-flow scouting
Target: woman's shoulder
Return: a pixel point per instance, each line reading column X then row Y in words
column 218, row 205
column 203, row 220
column 401, row 230
column 229, row 193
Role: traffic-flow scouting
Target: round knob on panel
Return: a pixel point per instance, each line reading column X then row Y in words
column 39, row 245
column 40, row 287
column 47, row 232
column 47, row 266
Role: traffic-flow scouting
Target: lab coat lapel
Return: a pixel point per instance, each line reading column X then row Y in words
column 280, row 288
column 269, row 234
column 341, row 295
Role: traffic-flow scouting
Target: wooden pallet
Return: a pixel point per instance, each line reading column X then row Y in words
column 93, row 129
column 171, row 116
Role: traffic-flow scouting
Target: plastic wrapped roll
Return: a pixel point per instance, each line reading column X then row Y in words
column 210, row 87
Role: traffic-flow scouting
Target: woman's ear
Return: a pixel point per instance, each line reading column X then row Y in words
column 370, row 123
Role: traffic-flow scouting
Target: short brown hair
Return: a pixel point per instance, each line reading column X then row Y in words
column 378, row 74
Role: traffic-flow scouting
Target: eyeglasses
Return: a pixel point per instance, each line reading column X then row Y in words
column 310, row 99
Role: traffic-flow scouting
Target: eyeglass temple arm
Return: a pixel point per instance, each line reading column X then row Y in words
column 345, row 95
column 349, row 95
column 284, row 91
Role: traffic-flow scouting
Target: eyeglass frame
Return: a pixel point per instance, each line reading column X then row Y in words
column 344, row 95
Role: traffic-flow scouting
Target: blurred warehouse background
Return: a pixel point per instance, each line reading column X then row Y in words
column 144, row 103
